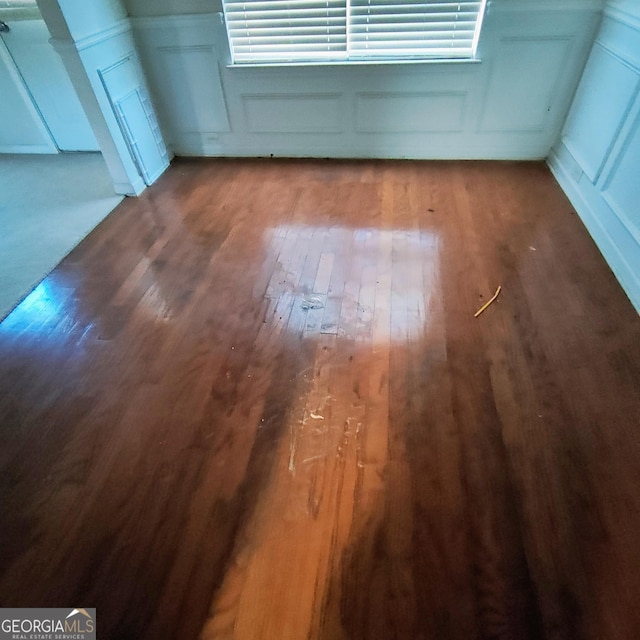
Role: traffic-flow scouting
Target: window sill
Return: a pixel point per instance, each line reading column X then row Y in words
column 351, row 63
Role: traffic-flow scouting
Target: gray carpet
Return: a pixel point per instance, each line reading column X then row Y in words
column 47, row 205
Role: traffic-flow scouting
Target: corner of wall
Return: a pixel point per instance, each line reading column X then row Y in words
column 596, row 160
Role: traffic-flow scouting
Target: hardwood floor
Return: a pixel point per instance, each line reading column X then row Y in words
column 255, row 403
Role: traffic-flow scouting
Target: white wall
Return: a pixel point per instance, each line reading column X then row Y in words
column 48, row 84
column 22, row 130
column 85, row 19
column 597, row 159
column 171, row 7
column 510, row 105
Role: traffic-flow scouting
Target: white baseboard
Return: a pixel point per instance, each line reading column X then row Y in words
column 130, row 189
column 628, row 278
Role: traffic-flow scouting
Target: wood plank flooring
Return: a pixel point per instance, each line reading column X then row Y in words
column 255, row 403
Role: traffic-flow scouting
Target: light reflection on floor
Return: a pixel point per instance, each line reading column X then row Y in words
column 363, row 284
column 50, row 307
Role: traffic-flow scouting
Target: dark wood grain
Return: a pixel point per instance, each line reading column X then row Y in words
column 255, row 403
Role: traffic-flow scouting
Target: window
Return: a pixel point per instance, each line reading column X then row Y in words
column 351, row 30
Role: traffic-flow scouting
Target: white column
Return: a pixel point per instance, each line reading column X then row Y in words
column 93, row 38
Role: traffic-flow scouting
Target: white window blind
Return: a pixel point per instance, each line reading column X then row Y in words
column 325, row 30
column 262, row 30
column 414, row 29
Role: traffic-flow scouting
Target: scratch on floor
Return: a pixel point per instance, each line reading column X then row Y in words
column 312, row 458
column 292, row 451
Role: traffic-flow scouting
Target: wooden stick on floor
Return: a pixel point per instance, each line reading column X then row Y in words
column 486, row 304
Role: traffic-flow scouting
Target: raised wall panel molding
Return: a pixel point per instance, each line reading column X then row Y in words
column 614, row 52
column 397, row 112
column 120, row 76
column 621, row 187
column 608, row 86
column 293, row 113
column 623, row 16
column 517, row 101
column 621, row 40
column 191, row 72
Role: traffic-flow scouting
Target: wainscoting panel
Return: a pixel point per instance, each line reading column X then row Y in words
column 597, row 160
column 286, row 113
column 608, row 86
column 192, row 72
column 622, row 189
column 508, row 104
column 524, row 84
column 410, row 112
